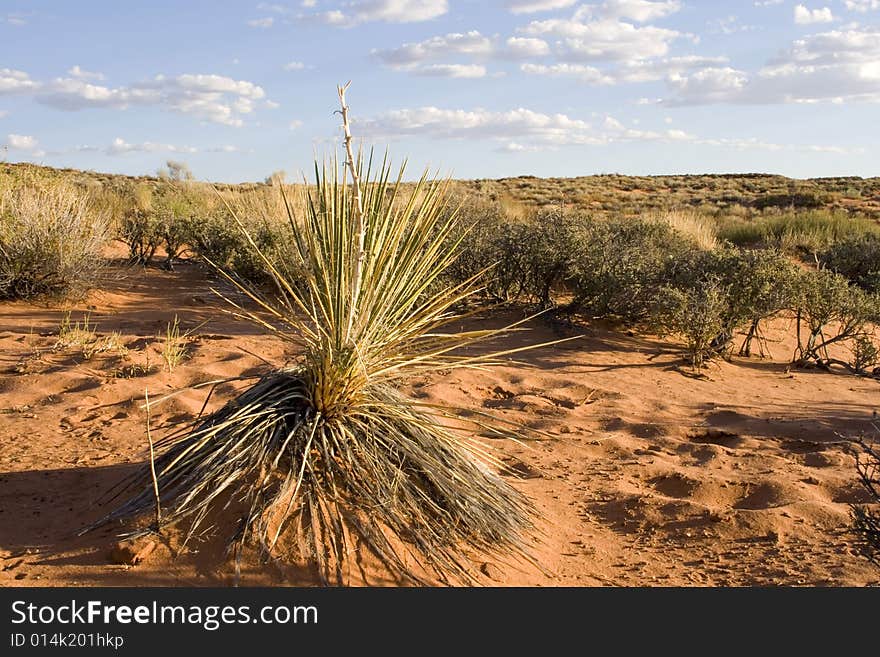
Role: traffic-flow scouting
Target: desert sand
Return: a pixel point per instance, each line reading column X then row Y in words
column 647, row 475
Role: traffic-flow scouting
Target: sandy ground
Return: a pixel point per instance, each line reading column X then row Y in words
column 651, row 476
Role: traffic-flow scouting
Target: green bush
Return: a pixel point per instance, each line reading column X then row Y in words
column 697, row 313
column 51, row 241
column 857, row 258
column 520, row 260
column 619, row 266
column 830, row 311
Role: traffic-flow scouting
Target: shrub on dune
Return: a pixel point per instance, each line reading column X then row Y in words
column 51, row 239
column 328, row 452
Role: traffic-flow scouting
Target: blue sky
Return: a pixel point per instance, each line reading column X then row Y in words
column 476, row 88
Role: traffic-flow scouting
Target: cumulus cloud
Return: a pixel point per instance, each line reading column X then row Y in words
column 21, row 142
column 580, row 72
column 836, row 66
column 522, row 47
column 213, row 98
column 634, row 71
column 862, row 6
column 468, row 43
column 294, row 66
column 641, row 11
column 534, row 6
column 356, row 12
column 473, row 45
column 121, row 147
column 804, row 16
column 12, row 81
column 523, row 130
column 514, row 130
column 77, row 72
column 608, row 38
column 452, row 71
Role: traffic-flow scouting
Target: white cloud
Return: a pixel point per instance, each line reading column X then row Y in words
column 522, row 47
column 627, row 72
column 295, row 124
column 515, row 130
column 709, row 85
column 3, row 114
column 804, row 16
column 274, row 8
column 608, row 38
column 522, row 131
column 452, row 70
column 77, row 72
column 472, row 45
column 836, row 66
column 534, row 6
column 213, row 98
column 862, row 6
column 638, row 10
column 580, row 72
column 294, row 66
column 439, row 47
column 357, row 12
column 768, row 3
column 121, row 147
column 21, row 142
column 12, row 81
column 262, row 23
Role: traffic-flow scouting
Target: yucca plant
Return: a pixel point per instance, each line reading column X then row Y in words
column 327, row 457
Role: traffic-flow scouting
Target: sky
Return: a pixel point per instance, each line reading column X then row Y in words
column 469, row 88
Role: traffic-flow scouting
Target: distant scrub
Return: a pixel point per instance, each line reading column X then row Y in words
column 808, row 232
column 51, row 240
column 857, row 258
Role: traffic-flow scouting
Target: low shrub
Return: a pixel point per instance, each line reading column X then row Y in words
column 857, row 258
column 619, row 266
column 698, row 314
column 831, row 310
column 51, row 241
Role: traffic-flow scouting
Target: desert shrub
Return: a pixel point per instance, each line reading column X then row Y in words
column 697, row 313
column 175, row 214
column 808, row 232
column 866, row 517
column 831, row 310
column 857, row 258
column 488, row 248
column 620, row 265
column 51, row 241
column 757, row 284
column 805, row 200
column 328, row 452
column 276, row 177
column 176, row 171
column 139, row 226
column 516, row 259
column 865, row 355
